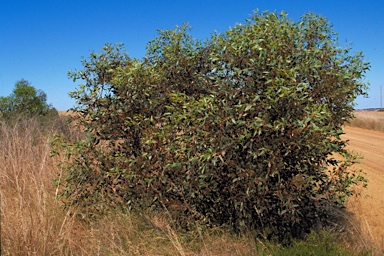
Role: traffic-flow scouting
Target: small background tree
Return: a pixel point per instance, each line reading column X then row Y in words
column 241, row 131
column 25, row 99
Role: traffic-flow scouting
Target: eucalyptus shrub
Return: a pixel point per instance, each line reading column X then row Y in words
column 242, row 130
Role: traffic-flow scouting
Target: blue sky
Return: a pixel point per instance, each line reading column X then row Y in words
column 41, row 40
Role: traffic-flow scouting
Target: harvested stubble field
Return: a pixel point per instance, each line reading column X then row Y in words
column 372, row 120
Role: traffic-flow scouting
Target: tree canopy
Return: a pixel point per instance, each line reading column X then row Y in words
column 25, row 99
column 242, row 130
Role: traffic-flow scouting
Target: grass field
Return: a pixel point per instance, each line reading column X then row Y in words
column 33, row 221
column 372, row 120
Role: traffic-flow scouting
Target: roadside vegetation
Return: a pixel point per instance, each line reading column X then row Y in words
column 227, row 147
column 34, row 222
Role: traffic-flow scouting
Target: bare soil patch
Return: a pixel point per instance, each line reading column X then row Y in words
column 369, row 208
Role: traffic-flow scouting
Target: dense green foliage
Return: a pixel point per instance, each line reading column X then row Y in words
column 27, row 100
column 241, row 130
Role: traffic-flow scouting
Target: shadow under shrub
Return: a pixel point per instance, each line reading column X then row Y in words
column 239, row 131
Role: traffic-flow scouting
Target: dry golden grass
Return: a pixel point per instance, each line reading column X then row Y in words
column 372, row 120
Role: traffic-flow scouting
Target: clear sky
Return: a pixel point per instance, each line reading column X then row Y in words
column 40, row 40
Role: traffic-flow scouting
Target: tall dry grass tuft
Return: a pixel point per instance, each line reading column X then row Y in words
column 372, row 120
column 30, row 223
